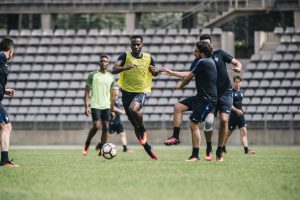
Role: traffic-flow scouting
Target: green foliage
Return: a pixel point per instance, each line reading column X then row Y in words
column 272, row 173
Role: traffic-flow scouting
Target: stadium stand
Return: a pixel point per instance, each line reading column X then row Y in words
column 50, row 68
column 272, row 82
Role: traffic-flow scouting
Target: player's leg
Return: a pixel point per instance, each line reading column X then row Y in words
column 229, row 133
column 120, row 130
column 208, row 130
column 5, row 132
column 179, row 108
column 243, row 130
column 196, row 140
column 225, row 105
column 105, row 117
column 96, row 124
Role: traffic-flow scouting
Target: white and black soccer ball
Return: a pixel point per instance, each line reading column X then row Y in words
column 109, row 150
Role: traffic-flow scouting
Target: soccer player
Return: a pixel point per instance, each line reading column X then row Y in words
column 100, row 84
column 223, row 105
column 136, row 70
column 116, row 125
column 6, row 53
column 204, row 101
column 237, row 116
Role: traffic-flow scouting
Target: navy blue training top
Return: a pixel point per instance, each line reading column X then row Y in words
column 221, row 58
column 206, row 78
column 3, row 74
column 117, row 119
column 238, row 98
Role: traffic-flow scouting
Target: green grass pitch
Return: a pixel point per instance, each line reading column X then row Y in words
column 272, row 173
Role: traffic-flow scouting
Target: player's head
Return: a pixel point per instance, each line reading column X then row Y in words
column 203, row 50
column 116, row 90
column 136, row 44
column 104, row 62
column 205, row 38
column 237, row 82
column 7, row 45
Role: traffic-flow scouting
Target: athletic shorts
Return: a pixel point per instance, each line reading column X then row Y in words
column 199, row 106
column 128, row 97
column 224, row 103
column 3, row 114
column 99, row 114
column 118, row 128
column 236, row 120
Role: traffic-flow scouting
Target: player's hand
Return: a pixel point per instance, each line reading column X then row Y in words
column 166, row 71
column 176, row 88
column 128, row 67
column 123, row 112
column 239, row 112
column 87, row 111
column 113, row 115
column 10, row 92
column 236, row 69
column 153, row 69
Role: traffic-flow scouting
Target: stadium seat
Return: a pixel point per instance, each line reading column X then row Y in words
column 278, row 30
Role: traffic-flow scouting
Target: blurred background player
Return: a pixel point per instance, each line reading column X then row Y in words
column 100, row 84
column 204, row 101
column 7, row 50
column 115, row 124
column 237, row 116
column 136, row 70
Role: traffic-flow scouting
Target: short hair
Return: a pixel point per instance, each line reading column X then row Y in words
column 104, row 56
column 205, row 48
column 205, row 37
column 237, row 77
column 6, row 44
column 115, row 88
column 136, row 36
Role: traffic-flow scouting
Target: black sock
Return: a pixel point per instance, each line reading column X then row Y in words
column 195, row 153
column 219, row 151
column 208, row 146
column 224, row 148
column 142, row 129
column 4, row 156
column 246, row 149
column 124, row 148
column 176, row 131
column 147, row 148
column 99, row 145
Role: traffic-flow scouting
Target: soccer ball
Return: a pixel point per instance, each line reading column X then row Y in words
column 109, row 150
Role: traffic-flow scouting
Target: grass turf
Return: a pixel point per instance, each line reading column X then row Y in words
column 272, row 173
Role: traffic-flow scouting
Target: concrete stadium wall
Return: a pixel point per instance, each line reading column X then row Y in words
column 156, row 137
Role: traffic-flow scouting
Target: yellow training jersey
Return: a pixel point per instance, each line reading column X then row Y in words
column 137, row 79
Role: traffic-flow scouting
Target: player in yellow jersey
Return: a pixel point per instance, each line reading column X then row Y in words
column 136, row 70
column 100, row 84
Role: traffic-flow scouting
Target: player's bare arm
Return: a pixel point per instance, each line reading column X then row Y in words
column 237, row 65
column 10, row 92
column 154, row 71
column 237, row 111
column 87, row 110
column 119, row 68
column 170, row 72
column 185, row 80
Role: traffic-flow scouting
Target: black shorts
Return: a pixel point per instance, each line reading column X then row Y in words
column 98, row 114
column 3, row 115
column 118, row 128
column 236, row 120
column 224, row 103
column 128, row 97
column 199, row 106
